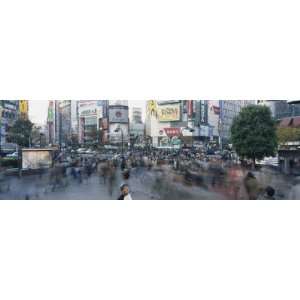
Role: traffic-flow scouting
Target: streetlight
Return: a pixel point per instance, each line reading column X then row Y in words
column 122, row 134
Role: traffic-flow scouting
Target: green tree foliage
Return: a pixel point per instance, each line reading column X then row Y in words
column 253, row 133
column 288, row 134
column 20, row 132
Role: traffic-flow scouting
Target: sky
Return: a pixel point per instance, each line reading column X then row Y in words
column 38, row 110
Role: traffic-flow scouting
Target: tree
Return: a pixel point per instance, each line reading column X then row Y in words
column 20, row 132
column 288, row 134
column 35, row 136
column 253, row 133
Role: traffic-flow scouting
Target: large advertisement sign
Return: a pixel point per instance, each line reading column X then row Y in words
column 81, row 130
column 169, row 112
column 118, row 114
column 115, row 134
column 190, row 108
column 23, row 107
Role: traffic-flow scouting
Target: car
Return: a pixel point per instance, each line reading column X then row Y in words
column 13, row 155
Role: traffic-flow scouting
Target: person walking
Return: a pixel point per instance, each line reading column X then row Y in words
column 252, row 186
column 125, row 195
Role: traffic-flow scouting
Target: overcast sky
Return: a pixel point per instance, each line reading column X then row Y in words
column 38, row 109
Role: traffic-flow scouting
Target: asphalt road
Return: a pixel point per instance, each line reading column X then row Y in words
column 144, row 184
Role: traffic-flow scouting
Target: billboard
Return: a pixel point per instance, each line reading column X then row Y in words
column 169, row 112
column 23, row 107
column 116, row 137
column 88, row 108
column 81, row 130
column 118, row 114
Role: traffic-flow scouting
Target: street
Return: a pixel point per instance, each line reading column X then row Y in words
column 157, row 183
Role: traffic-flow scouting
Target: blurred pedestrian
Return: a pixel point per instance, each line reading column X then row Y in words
column 268, row 194
column 125, row 195
column 252, row 186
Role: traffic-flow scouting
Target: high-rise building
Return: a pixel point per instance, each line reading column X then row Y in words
column 136, row 115
column 214, row 119
column 136, row 126
column 9, row 113
column 229, row 109
column 91, row 117
column 118, row 118
column 62, row 121
column 177, row 122
column 282, row 108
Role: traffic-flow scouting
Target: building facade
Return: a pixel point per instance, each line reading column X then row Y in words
column 229, row 109
column 177, row 123
column 282, row 108
column 9, row 113
column 118, row 119
column 92, row 121
column 136, row 117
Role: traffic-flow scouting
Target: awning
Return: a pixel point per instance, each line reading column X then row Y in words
column 285, row 122
column 290, row 122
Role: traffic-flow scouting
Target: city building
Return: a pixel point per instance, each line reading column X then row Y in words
column 92, row 121
column 62, row 122
column 136, row 127
column 9, row 113
column 177, row 123
column 229, row 109
column 282, row 108
column 136, row 115
column 118, row 119
column 214, row 120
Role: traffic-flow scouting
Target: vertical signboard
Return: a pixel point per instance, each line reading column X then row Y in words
column 81, row 130
column 190, row 108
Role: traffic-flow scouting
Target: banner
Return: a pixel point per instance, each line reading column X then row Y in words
column 171, row 132
column 169, row 113
column 190, row 108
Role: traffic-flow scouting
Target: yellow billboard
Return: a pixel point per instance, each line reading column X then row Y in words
column 169, row 112
column 23, row 107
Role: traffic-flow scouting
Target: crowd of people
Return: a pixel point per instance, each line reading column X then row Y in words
column 220, row 174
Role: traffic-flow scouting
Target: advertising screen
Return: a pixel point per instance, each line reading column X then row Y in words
column 169, row 112
column 116, row 137
column 118, row 114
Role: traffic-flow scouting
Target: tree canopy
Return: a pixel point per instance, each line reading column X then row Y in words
column 288, row 134
column 20, row 132
column 253, row 133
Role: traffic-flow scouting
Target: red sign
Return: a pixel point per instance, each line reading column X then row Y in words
column 170, row 132
column 190, row 108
